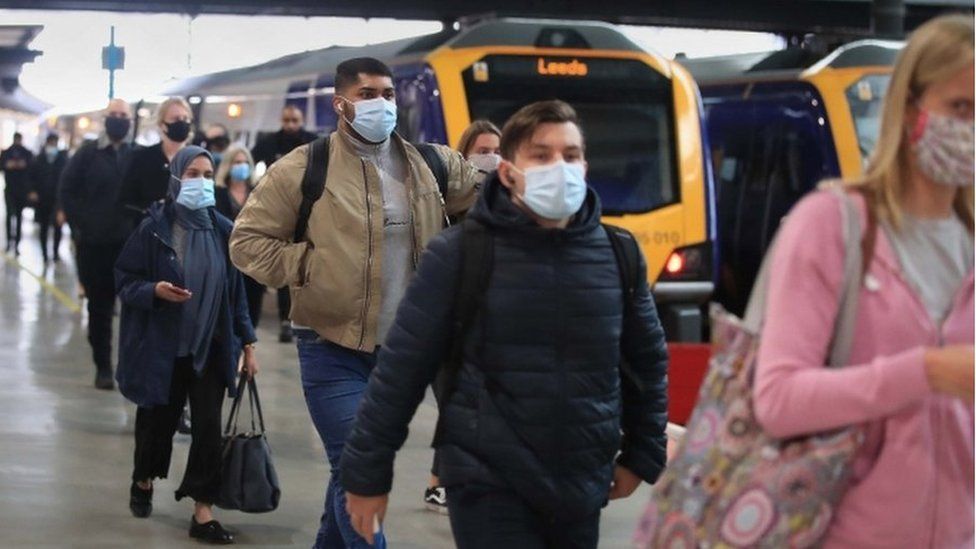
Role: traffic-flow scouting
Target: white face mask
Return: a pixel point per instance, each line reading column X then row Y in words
column 375, row 118
column 554, row 191
column 485, row 162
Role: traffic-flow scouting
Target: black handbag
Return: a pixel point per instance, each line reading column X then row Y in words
column 249, row 482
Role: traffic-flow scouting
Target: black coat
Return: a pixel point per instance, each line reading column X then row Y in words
column 149, row 327
column 539, row 406
column 145, row 181
column 45, row 176
column 273, row 146
column 17, row 184
column 89, row 193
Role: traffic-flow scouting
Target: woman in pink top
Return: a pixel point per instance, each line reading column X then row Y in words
column 910, row 378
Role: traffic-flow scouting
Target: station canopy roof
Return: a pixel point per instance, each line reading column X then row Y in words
column 14, row 52
column 789, row 17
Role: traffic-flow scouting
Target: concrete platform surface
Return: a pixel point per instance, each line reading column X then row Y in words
column 66, row 448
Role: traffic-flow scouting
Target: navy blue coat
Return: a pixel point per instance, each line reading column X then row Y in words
column 149, row 327
column 539, row 406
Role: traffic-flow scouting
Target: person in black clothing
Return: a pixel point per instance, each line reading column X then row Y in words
column 184, row 326
column 268, row 150
column 235, row 181
column 15, row 162
column 542, row 428
column 216, row 140
column 89, row 196
column 45, row 174
column 147, row 179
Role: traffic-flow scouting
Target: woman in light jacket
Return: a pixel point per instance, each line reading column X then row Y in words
column 909, row 382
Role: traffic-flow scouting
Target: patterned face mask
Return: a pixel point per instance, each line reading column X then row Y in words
column 943, row 147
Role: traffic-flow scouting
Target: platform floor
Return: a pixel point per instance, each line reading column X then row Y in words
column 66, row 448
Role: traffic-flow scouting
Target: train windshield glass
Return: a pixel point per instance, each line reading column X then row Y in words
column 864, row 98
column 626, row 110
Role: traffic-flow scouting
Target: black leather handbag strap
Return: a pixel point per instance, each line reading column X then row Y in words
column 235, row 408
column 250, row 387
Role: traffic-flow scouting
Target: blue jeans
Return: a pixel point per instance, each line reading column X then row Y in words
column 334, row 380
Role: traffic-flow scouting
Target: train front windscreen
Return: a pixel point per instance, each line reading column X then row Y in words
column 626, row 112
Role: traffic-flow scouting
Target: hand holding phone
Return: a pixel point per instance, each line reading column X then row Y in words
column 172, row 293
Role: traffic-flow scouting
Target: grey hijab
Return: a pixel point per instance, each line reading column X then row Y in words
column 204, row 264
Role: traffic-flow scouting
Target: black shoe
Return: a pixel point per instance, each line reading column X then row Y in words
column 211, row 532
column 184, row 425
column 140, row 501
column 284, row 336
column 104, row 381
column 435, row 499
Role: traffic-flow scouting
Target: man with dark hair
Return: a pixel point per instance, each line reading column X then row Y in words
column 268, row 150
column 14, row 163
column 555, row 374
column 347, row 244
column 90, row 187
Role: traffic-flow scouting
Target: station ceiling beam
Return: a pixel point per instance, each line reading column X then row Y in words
column 790, row 17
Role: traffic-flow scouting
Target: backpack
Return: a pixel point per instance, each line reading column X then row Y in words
column 317, row 167
column 477, row 258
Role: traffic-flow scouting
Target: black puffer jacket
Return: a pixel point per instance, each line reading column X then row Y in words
column 538, row 404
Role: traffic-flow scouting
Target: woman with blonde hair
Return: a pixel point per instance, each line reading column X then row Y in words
column 147, row 178
column 909, row 380
column 234, row 183
column 480, row 144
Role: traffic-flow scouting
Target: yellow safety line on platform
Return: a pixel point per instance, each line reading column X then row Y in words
column 64, row 298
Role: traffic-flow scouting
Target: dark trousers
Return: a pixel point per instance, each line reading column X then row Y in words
column 46, row 217
column 255, row 299
column 334, row 380
column 156, row 426
column 14, row 204
column 96, row 272
column 284, row 303
column 486, row 517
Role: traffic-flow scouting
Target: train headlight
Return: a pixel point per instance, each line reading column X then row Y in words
column 688, row 263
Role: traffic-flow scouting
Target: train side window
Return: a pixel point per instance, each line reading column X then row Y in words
column 864, row 98
column 767, row 154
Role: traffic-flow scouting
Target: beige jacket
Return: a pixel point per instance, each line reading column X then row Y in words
column 334, row 274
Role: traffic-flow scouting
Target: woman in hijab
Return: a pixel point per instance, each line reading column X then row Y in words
column 184, row 323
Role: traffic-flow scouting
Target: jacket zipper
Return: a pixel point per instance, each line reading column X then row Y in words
column 369, row 255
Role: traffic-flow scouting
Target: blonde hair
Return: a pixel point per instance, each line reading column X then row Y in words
column 935, row 52
column 223, row 170
column 169, row 102
column 472, row 132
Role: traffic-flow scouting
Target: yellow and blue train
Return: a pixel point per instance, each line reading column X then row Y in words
column 779, row 123
column 641, row 115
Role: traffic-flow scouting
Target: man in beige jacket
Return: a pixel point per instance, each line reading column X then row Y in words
column 380, row 207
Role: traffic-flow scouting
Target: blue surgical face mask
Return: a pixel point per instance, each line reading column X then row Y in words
column 375, row 118
column 217, row 157
column 240, row 172
column 51, row 151
column 554, row 191
column 196, row 193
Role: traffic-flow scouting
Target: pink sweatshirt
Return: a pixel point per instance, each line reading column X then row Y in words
column 913, row 479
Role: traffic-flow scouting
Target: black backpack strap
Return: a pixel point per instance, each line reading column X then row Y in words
column 477, row 257
column 436, row 165
column 313, row 183
column 626, row 250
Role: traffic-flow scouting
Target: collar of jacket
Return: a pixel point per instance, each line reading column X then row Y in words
column 344, row 141
column 163, row 213
column 104, row 142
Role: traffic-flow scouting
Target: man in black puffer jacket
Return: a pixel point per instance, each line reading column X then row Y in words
column 541, row 430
